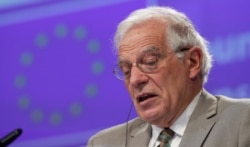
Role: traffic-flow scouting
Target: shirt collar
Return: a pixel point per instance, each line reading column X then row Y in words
column 180, row 124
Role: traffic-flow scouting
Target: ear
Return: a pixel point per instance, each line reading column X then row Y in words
column 195, row 62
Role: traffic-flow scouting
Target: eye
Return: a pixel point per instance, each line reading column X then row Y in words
column 125, row 69
column 150, row 61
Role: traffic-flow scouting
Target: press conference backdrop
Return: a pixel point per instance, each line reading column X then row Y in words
column 56, row 60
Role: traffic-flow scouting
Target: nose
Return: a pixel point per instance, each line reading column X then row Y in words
column 138, row 79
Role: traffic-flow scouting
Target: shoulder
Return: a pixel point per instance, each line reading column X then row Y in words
column 225, row 100
column 229, row 118
column 115, row 135
column 118, row 129
column 225, row 107
column 234, row 112
column 237, row 102
column 233, row 109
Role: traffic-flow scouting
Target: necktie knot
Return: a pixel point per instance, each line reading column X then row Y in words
column 165, row 137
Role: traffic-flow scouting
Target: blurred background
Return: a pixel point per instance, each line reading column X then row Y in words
column 56, row 62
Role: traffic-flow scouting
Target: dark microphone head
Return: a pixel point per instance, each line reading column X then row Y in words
column 7, row 139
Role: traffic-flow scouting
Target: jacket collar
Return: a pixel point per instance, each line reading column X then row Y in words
column 201, row 121
column 199, row 126
column 140, row 133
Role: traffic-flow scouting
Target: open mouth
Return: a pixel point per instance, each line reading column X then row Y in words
column 145, row 97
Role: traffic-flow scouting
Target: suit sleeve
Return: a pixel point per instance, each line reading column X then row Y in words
column 244, row 135
column 90, row 142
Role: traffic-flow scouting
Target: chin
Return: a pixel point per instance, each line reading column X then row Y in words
column 151, row 118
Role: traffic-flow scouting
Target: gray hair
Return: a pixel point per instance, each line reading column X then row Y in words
column 180, row 32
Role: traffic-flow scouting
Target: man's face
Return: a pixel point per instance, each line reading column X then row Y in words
column 159, row 96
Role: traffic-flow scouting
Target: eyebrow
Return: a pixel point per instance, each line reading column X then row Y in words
column 151, row 49
column 121, row 61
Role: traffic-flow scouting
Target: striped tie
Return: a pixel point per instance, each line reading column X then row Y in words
column 165, row 137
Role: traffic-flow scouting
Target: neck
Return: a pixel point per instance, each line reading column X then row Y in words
column 192, row 90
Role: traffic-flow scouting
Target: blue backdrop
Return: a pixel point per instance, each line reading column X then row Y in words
column 56, row 62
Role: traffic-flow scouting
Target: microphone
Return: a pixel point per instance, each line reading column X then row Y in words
column 7, row 139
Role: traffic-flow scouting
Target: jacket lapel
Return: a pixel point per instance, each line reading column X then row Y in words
column 201, row 121
column 140, row 134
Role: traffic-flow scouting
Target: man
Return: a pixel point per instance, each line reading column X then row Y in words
column 164, row 63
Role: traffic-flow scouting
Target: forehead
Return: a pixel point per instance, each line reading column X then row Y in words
column 142, row 37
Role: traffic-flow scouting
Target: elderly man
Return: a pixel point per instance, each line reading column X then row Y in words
column 164, row 63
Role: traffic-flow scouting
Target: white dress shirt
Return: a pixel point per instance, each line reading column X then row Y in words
column 178, row 127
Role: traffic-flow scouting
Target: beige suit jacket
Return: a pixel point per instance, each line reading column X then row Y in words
column 217, row 121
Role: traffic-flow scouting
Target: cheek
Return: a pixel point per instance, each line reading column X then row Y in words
column 175, row 77
column 170, row 88
column 130, row 90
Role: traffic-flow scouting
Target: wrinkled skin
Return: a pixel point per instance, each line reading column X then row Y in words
column 175, row 83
